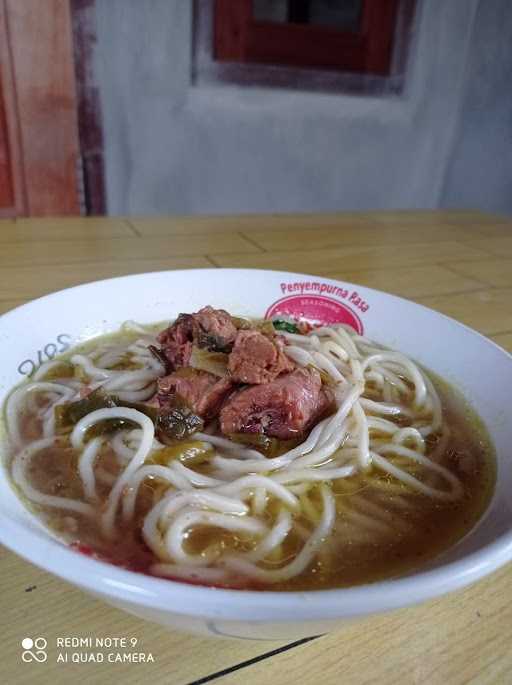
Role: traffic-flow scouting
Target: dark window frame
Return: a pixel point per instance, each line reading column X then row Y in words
column 238, row 37
column 207, row 72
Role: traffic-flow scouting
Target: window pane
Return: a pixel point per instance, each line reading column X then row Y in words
column 340, row 14
column 275, row 11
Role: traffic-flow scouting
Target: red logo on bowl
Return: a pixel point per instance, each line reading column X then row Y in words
column 317, row 309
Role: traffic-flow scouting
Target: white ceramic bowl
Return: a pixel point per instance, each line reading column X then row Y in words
column 466, row 359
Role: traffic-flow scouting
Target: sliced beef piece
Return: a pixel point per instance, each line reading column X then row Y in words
column 284, row 408
column 176, row 342
column 203, row 392
column 178, row 332
column 178, row 355
column 212, row 329
column 257, row 358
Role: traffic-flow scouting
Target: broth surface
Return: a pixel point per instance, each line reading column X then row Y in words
column 383, row 527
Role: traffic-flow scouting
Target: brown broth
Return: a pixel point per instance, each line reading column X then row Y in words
column 421, row 528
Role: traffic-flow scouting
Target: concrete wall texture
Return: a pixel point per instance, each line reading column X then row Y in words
column 479, row 170
column 174, row 147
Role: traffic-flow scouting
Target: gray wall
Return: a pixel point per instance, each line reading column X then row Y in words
column 479, row 171
column 176, row 148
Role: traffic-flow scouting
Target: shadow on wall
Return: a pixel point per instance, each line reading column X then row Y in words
column 479, row 172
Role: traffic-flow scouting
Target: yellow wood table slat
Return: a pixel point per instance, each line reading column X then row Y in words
column 458, row 262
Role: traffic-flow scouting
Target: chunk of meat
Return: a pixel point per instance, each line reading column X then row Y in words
column 203, row 392
column 209, row 328
column 257, row 358
column 178, row 332
column 176, row 341
column 178, row 355
column 284, row 408
column 214, row 330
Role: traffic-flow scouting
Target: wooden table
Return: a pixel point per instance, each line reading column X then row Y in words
column 457, row 262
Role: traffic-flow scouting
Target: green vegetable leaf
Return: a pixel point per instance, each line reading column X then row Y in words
column 177, row 422
column 71, row 413
column 287, row 326
column 67, row 415
column 270, row 447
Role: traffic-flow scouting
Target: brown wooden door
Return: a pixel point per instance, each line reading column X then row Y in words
column 39, row 150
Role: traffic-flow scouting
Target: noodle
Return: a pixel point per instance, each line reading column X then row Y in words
column 266, row 519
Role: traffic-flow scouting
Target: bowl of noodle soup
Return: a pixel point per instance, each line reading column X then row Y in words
column 252, row 454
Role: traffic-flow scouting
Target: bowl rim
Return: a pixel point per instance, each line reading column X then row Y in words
column 166, row 594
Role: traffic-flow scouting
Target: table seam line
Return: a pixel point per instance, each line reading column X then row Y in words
column 453, row 270
column 252, row 661
column 133, row 228
column 251, row 241
column 210, row 260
